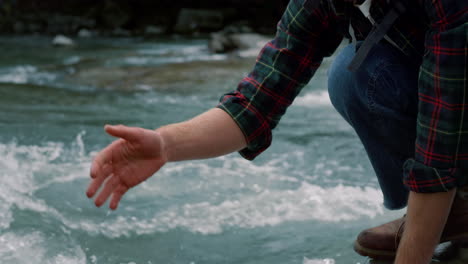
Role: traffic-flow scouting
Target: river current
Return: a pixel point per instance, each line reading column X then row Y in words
column 302, row 201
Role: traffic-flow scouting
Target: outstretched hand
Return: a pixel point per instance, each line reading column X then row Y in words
column 125, row 163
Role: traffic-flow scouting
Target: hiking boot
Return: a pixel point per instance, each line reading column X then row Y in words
column 382, row 242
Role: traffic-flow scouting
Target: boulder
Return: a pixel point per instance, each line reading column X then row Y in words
column 246, row 41
column 35, row 27
column 114, row 15
column 154, row 30
column 238, row 27
column 195, row 20
column 19, row 27
column 244, row 44
column 61, row 40
column 85, row 33
column 120, row 32
column 220, row 43
column 65, row 24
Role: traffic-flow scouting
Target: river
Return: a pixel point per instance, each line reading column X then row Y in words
column 302, row 201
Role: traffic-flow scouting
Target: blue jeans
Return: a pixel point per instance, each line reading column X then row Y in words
column 380, row 102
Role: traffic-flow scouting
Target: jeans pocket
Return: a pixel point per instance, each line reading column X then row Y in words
column 392, row 91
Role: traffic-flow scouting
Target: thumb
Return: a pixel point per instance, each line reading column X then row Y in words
column 121, row 131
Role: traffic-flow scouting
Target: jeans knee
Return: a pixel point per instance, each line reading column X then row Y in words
column 342, row 83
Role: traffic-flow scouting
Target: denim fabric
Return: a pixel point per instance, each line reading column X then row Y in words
column 380, row 102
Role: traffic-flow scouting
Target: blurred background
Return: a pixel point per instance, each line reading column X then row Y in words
column 136, row 17
column 69, row 67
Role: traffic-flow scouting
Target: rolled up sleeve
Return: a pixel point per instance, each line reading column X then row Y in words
column 284, row 66
column 441, row 149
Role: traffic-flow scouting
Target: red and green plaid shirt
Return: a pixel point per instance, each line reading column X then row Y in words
column 436, row 35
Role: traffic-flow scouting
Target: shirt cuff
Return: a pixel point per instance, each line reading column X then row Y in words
column 420, row 178
column 254, row 125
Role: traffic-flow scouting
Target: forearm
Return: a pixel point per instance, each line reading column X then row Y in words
column 211, row 134
column 425, row 221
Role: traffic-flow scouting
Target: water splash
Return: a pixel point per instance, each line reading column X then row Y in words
column 22, row 249
column 313, row 99
column 23, row 74
column 26, row 169
column 318, row 261
column 255, row 203
column 269, row 208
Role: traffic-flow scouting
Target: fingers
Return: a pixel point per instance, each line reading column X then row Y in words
column 109, row 187
column 102, row 167
column 117, row 196
column 125, row 132
column 96, row 184
column 101, row 164
column 112, row 187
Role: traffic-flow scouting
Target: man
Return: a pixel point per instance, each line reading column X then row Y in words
column 405, row 97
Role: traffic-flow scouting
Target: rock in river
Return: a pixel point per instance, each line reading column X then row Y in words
column 240, row 42
column 194, row 20
column 61, row 40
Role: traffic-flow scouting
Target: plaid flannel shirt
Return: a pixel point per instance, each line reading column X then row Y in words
column 434, row 36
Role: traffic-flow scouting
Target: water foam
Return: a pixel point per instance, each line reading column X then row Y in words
column 174, row 49
column 26, row 169
column 318, row 261
column 174, row 54
column 72, row 60
column 252, row 195
column 21, row 248
column 78, row 258
column 141, row 61
column 25, row 74
column 268, row 208
column 312, row 99
column 25, row 248
column 23, row 171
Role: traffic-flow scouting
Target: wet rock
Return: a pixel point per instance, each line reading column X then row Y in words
column 249, row 40
column 120, row 32
column 463, row 254
column 84, row 33
column 238, row 27
column 182, row 17
column 6, row 16
column 178, row 77
column 195, row 20
column 245, row 44
column 113, row 15
column 19, row 27
column 220, row 43
column 65, row 24
column 34, row 27
column 61, row 40
column 154, row 30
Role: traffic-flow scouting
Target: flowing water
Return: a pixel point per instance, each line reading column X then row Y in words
column 302, row 201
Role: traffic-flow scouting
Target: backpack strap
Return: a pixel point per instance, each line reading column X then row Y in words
column 377, row 33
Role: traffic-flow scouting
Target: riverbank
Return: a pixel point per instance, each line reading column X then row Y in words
column 137, row 18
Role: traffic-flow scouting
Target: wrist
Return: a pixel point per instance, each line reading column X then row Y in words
column 426, row 217
column 165, row 141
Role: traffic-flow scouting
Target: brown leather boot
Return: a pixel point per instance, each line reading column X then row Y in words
column 381, row 242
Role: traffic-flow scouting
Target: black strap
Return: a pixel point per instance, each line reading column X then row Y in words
column 377, row 33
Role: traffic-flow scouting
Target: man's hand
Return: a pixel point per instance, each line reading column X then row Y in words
column 125, row 163
column 139, row 153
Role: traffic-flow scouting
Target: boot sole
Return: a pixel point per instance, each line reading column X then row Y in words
column 373, row 253
column 386, row 254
